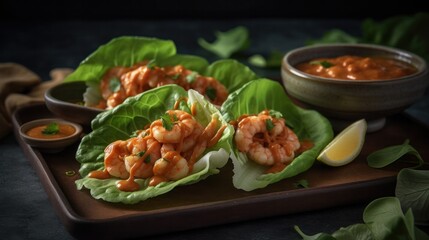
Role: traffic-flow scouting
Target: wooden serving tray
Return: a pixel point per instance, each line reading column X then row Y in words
column 215, row 200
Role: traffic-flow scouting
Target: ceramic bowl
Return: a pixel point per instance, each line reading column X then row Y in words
column 65, row 101
column 344, row 101
column 52, row 145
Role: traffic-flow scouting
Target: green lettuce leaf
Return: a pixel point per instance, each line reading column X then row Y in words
column 127, row 51
column 121, row 122
column 121, row 51
column 262, row 94
column 408, row 32
column 227, row 43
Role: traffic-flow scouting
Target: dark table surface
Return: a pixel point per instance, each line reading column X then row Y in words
column 25, row 211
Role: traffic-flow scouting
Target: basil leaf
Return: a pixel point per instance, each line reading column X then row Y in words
column 412, row 189
column 388, row 155
column 51, row 129
column 227, row 43
column 114, row 84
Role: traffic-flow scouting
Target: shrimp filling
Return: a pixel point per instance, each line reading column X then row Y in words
column 119, row 83
column 266, row 140
column 164, row 151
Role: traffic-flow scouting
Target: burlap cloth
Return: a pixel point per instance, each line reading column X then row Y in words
column 19, row 86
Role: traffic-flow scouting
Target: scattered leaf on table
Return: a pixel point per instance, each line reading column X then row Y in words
column 227, row 43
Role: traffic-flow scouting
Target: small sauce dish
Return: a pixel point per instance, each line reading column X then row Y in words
column 50, row 134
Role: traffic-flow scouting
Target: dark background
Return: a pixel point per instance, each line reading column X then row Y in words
column 48, row 10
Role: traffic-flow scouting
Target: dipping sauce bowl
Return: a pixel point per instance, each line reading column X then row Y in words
column 50, row 134
column 346, row 100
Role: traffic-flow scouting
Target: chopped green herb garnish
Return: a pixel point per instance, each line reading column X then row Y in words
column 211, row 93
column 151, row 64
column 276, row 114
column 166, row 122
column 175, row 76
column 324, row 64
column 51, row 129
column 269, row 124
column 192, row 77
column 141, row 154
column 114, row 84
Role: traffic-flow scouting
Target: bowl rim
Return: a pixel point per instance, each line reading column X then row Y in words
column 49, row 97
column 41, row 121
column 289, row 67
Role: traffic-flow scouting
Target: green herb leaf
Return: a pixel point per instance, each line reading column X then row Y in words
column 114, row 84
column 408, row 32
column 412, row 189
column 175, row 76
column 192, row 77
column 383, row 219
column 166, row 122
column 51, row 129
column 227, row 43
column 269, row 124
column 151, row 64
column 276, row 114
column 388, row 155
column 211, row 93
column 274, row 60
column 319, row 236
column 301, row 184
column 141, row 154
column 324, row 64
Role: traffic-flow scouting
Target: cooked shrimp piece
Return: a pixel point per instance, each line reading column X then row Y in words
column 215, row 91
column 172, row 166
column 139, row 147
column 190, row 141
column 183, row 124
column 266, row 146
column 114, row 159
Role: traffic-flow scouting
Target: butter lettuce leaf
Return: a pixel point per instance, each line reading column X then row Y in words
column 121, row 51
column 257, row 96
column 121, row 122
column 127, row 51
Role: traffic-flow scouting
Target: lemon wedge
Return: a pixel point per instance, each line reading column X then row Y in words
column 346, row 146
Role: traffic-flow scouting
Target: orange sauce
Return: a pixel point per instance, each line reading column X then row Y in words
column 207, row 138
column 65, row 130
column 357, row 68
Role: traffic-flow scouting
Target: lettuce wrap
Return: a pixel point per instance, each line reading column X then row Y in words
column 127, row 51
column 262, row 94
column 123, row 121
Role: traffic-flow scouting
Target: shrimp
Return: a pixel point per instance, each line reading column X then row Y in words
column 215, row 91
column 172, row 166
column 139, row 146
column 114, row 159
column 266, row 147
column 181, row 128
